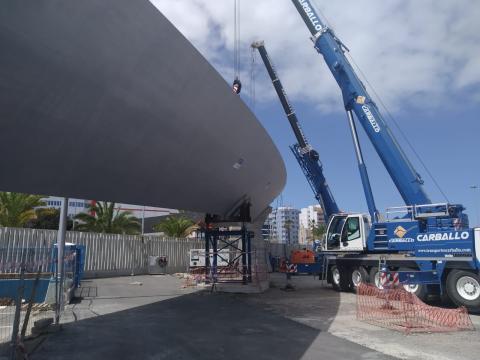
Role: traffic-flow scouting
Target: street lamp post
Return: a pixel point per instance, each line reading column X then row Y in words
column 476, row 188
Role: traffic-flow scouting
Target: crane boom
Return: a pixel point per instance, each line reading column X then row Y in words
column 356, row 99
column 430, row 244
column 307, row 157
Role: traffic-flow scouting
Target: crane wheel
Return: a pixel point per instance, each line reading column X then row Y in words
column 335, row 273
column 359, row 275
column 375, row 277
column 340, row 278
column 419, row 290
column 463, row 288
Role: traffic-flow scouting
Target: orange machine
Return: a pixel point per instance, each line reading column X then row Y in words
column 302, row 257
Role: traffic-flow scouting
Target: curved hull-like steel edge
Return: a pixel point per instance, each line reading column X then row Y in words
column 106, row 100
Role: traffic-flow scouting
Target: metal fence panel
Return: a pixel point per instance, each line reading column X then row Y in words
column 106, row 254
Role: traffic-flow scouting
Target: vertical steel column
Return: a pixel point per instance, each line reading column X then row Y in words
column 249, row 254
column 244, row 256
column 215, row 252
column 62, row 230
column 207, row 250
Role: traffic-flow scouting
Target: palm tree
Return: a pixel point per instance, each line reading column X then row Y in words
column 104, row 218
column 17, row 210
column 176, row 226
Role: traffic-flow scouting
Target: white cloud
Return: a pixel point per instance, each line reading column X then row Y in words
column 415, row 52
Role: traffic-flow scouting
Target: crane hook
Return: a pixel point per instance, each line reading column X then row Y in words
column 237, row 86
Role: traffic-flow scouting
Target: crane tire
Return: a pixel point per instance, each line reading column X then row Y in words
column 419, row 290
column 375, row 277
column 340, row 278
column 358, row 275
column 463, row 288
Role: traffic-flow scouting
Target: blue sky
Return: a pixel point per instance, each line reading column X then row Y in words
column 422, row 57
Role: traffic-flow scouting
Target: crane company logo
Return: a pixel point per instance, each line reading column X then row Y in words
column 401, row 240
column 360, row 99
column 400, row 231
column 464, row 235
column 371, row 118
column 311, row 15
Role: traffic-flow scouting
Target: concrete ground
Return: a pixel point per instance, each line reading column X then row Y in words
column 152, row 317
column 327, row 310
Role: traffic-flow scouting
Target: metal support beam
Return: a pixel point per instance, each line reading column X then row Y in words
column 215, row 258
column 367, row 188
column 62, row 230
column 244, row 257
column 249, row 254
column 207, row 248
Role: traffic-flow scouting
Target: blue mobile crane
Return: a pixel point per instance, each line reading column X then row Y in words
column 428, row 246
column 307, row 157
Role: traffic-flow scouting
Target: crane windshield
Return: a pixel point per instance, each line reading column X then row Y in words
column 334, row 231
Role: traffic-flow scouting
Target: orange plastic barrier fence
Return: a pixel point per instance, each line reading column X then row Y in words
column 397, row 309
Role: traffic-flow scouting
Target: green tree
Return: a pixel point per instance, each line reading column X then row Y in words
column 102, row 217
column 176, row 226
column 48, row 219
column 17, row 209
column 318, row 231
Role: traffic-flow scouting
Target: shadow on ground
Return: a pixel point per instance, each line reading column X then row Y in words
column 313, row 303
column 200, row 325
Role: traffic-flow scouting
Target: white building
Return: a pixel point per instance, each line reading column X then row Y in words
column 311, row 216
column 283, row 223
column 75, row 206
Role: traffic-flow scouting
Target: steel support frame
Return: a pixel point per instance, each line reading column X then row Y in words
column 218, row 239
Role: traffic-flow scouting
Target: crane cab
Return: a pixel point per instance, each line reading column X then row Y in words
column 347, row 232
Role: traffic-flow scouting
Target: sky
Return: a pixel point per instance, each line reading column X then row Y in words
column 422, row 57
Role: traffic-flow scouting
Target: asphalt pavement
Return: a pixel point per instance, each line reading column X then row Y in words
column 152, row 317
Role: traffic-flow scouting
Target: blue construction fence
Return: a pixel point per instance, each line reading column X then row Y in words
column 40, row 262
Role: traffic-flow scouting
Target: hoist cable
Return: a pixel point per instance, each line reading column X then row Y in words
column 252, row 79
column 236, row 38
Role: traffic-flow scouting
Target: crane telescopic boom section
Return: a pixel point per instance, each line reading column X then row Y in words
column 306, row 156
column 357, row 99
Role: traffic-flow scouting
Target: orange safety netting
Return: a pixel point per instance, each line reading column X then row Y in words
column 233, row 272
column 400, row 310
